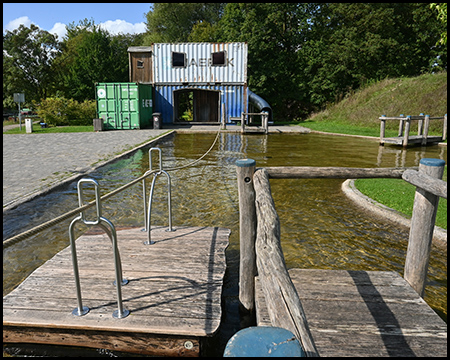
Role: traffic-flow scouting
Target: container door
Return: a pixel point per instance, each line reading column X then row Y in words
column 145, row 106
column 106, row 105
column 129, row 109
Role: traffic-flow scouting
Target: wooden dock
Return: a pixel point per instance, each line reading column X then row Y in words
column 340, row 312
column 405, row 138
column 363, row 313
column 173, row 293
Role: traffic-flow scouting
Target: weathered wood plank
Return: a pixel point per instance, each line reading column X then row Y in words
column 174, row 291
column 435, row 186
column 366, row 313
column 312, row 172
column 137, row 343
column 283, row 304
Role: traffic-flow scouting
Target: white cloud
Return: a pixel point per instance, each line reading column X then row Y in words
column 113, row 27
column 121, row 26
column 14, row 24
column 59, row 29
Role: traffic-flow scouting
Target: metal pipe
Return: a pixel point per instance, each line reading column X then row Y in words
column 110, row 230
column 80, row 310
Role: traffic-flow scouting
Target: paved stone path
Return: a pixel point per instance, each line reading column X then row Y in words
column 34, row 162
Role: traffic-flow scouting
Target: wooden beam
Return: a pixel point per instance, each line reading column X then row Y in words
column 283, row 302
column 137, row 343
column 309, row 172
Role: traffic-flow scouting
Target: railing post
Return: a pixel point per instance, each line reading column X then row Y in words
column 247, row 233
column 382, row 129
column 422, row 226
column 401, row 126
column 407, row 129
column 425, row 130
column 444, row 129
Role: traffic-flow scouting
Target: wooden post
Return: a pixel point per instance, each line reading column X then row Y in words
column 242, row 122
column 401, row 126
column 224, row 122
column 382, row 129
column 425, row 130
column 444, row 129
column 422, row 226
column 247, row 233
column 420, row 125
column 407, row 129
column 265, row 121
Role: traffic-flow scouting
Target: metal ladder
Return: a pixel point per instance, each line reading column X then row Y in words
column 110, row 230
column 147, row 214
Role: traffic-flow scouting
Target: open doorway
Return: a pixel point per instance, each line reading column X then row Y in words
column 196, row 105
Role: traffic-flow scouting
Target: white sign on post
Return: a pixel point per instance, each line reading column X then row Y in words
column 19, row 97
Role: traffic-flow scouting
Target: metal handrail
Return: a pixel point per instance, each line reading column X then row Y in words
column 111, row 232
column 147, row 214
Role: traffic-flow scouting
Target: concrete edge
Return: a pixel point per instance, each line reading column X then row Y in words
column 349, row 189
column 60, row 183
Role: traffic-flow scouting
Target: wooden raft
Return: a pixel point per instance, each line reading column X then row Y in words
column 363, row 313
column 173, row 294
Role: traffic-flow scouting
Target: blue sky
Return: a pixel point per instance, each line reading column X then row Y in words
column 53, row 17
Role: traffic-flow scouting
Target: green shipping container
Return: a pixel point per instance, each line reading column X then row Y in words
column 124, row 106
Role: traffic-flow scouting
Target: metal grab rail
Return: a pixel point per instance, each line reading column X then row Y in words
column 111, row 232
column 147, row 214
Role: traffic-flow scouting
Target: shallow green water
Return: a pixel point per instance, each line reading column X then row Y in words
column 320, row 227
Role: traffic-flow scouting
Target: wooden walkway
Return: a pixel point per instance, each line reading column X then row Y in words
column 364, row 313
column 414, row 139
column 173, row 294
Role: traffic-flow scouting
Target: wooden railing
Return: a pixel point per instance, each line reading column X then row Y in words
column 245, row 120
column 260, row 247
column 405, row 127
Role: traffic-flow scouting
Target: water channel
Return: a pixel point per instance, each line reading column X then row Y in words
column 320, row 227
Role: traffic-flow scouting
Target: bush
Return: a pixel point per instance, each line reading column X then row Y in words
column 59, row 111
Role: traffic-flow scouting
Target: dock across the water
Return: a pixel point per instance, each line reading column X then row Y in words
column 405, row 136
column 173, row 293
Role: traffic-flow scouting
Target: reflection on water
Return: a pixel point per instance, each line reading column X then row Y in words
column 320, row 227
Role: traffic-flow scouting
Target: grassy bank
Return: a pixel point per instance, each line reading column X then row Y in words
column 358, row 114
column 399, row 195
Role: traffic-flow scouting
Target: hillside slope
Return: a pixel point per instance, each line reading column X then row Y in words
column 409, row 96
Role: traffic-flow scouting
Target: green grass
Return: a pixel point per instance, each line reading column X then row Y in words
column 59, row 129
column 358, row 113
column 399, row 195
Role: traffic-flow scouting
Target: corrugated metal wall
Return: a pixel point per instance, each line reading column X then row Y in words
column 234, row 97
column 198, row 66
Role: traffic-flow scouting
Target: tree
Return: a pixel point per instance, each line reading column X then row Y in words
column 442, row 17
column 90, row 55
column 275, row 33
column 174, row 22
column 28, row 55
column 353, row 43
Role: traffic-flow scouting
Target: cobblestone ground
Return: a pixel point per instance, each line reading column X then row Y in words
column 33, row 162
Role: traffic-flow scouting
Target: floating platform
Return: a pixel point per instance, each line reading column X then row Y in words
column 414, row 139
column 364, row 313
column 173, row 294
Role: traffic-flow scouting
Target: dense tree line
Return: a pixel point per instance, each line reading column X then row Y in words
column 301, row 55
